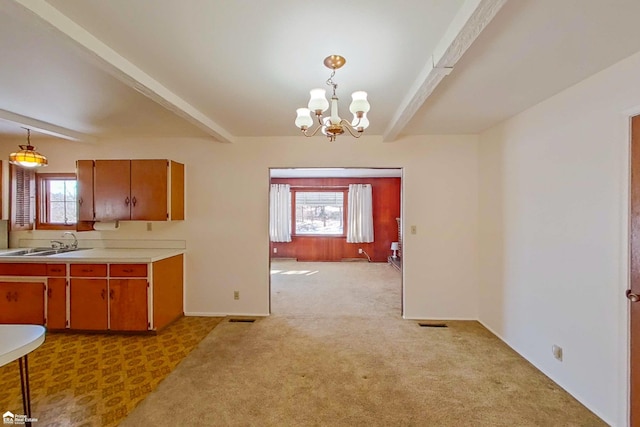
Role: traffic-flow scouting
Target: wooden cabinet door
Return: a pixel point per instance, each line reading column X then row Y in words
column 88, row 304
column 84, row 177
column 57, row 303
column 112, row 183
column 22, row 302
column 177, row 191
column 128, row 304
column 168, row 275
column 149, row 190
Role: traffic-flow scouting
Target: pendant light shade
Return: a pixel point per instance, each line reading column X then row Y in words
column 28, row 157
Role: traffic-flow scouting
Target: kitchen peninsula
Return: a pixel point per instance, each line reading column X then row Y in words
column 119, row 290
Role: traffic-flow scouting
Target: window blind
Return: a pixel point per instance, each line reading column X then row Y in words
column 23, row 198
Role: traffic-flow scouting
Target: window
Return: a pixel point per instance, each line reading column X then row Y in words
column 56, row 201
column 319, row 213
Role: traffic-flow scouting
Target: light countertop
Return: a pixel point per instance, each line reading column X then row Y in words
column 99, row 255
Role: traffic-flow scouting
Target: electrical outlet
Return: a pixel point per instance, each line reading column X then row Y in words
column 275, row 250
column 557, row 352
column 236, row 294
column 359, row 250
column 414, row 229
column 149, row 226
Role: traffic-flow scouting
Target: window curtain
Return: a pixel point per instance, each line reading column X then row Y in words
column 280, row 213
column 360, row 214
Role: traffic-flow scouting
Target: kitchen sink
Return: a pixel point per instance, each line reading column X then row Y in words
column 40, row 251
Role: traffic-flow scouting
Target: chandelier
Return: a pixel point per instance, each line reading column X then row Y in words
column 28, row 157
column 333, row 125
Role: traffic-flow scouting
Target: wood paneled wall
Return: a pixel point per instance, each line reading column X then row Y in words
column 386, row 208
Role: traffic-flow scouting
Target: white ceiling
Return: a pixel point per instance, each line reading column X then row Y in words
column 95, row 68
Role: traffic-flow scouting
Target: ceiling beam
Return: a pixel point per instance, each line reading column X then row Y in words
column 119, row 67
column 471, row 19
column 46, row 128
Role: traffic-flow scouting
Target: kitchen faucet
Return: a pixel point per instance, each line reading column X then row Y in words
column 56, row 244
column 74, row 245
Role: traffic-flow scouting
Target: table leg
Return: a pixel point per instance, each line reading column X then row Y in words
column 24, row 383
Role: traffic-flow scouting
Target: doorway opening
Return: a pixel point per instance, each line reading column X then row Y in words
column 316, row 230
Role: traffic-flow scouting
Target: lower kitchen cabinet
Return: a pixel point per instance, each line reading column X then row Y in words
column 88, row 304
column 93, row 296
column 22, row 302
column 56, row 303
column 128, row 305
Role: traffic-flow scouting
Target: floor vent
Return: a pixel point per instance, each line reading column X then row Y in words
column 242, row 320
column 432, row 325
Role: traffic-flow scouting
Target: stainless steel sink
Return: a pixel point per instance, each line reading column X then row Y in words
column 40, row 251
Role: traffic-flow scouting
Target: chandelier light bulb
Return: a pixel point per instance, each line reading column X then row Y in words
column 325, row 122
column 318, row 100
column 359, row 102
column 304, row 120
column 360, row 123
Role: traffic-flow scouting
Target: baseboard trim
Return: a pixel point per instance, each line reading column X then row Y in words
column 444, row 319
column 210, row 314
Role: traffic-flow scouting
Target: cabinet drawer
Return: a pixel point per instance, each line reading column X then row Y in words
column 89, row 270
column 22, row 269
column 128, row 270
column 56, row 270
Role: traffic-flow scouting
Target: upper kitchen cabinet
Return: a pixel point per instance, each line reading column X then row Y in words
column 84, row 187
column 139, row 190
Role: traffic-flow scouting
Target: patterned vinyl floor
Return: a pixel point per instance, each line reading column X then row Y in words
column 97, row 380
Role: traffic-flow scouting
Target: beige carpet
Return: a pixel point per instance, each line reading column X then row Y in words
column 336, row 352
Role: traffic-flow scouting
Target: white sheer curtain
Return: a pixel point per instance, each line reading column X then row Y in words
column 280, row 213
column 360, row 214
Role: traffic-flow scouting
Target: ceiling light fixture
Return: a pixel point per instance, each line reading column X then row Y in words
column 28, row 157
column 333, row 125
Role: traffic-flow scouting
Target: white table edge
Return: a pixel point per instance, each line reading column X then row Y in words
column 24, row 349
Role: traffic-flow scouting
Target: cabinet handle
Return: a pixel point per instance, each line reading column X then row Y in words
column 128, row 270
column 102, row 293
column 80, row 201
column 134, row 201
column 9, row 296
column 49, row 292
column 56, row 270
column 126, row 201
column 87, row 270
column 15, row 296
column 111, row 293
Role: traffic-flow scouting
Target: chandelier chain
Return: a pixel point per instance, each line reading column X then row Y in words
column 331, row 83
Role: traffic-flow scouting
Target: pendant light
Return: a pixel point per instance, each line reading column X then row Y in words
column 28, row 157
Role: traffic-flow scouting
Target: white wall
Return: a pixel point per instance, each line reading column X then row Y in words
column 553, row 234
column 227, row 212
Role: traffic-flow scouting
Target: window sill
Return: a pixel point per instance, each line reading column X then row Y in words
column 71, row 227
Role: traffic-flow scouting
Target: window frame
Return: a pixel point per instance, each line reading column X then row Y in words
column 345, row 199
column 42, row 180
